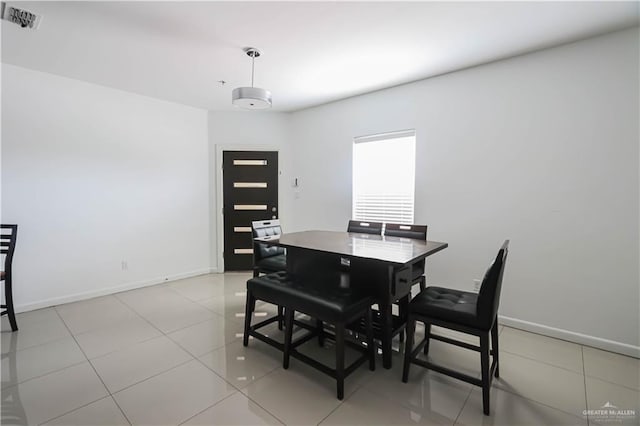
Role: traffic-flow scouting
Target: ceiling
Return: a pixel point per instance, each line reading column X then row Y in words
column 313, row 52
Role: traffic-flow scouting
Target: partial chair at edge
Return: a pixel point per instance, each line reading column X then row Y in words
column 8, row 234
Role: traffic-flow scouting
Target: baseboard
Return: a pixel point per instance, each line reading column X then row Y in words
column 583, row 339
column 109, row 290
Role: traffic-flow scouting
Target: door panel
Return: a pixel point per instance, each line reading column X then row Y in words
column 250, row 188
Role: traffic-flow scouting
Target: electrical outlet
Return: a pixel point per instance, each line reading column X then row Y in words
column 22, row 17
column 476, row 285
column 125, row 265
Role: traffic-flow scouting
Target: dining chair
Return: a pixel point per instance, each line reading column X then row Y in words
column 8, row 235
column 365, row 227
column 466, row 312
column 415, row 232
column 268, row 259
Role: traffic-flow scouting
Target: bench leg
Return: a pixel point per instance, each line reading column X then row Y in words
column 280, row 317
column 288, row 336
column 340, row 360
column 248, row 313
column 320, row 327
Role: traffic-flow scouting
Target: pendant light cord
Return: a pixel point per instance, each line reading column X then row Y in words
column 253, row 62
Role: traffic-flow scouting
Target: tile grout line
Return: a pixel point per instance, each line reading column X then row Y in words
column 538, row 402
column 464, row 404
column 44, row 374
column 37, row 322
column 583, row 373
column 143, row 317
column 542, row 362
column 360, row 386
column 235, row 339
column 83, row 406
column 151, row 377
column 256, row 402
column 96, row 373
column 205, row 409
column 101, row 328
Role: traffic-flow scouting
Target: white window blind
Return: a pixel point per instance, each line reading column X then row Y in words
column 384, row 177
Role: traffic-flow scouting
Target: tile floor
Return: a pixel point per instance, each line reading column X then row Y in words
column 172, row 354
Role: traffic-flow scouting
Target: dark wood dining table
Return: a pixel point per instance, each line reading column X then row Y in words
column 381, row 264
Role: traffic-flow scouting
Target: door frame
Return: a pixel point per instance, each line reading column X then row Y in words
column 219, row 236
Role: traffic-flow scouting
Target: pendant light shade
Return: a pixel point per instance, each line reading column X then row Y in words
column 251, row 97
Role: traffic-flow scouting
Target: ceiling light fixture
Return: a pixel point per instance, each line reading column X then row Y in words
column 251, row 97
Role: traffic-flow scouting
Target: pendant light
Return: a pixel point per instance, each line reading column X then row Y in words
column 251, row 97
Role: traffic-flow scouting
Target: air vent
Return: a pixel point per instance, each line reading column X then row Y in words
column 22, row 17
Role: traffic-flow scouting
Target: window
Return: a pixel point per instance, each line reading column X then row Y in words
column 384, row 177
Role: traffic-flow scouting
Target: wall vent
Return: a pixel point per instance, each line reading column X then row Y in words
column 22, row 17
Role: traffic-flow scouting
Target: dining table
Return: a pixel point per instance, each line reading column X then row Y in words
column 381, row 266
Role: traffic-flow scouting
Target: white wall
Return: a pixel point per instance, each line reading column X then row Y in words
column 95, row 176
column 541, row 149
column 246, row 130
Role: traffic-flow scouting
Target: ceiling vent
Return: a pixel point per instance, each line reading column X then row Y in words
column 22, row 17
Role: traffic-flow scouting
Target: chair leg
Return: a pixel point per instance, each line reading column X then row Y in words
column 371, row 344
column 320, row 328
column 423, row 283
column 427, row 336
column 408, row 348
column 288, row 335
column 484, row 365
column 8, row 295
column 248, row 313
column 403, row 311
column 494, row 345
column 280, row 317
column 340, row 360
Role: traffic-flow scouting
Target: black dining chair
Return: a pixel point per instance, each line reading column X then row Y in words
column 8, row 234
column 365, row 227
column 268, row 259
column 415, row 232
column 466, row 312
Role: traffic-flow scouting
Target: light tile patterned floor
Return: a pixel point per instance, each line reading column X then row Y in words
column 172, row 354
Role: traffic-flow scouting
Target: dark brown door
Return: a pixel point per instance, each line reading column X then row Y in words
column 250, row 187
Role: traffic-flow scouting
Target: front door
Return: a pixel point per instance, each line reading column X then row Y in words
column 250, row 188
